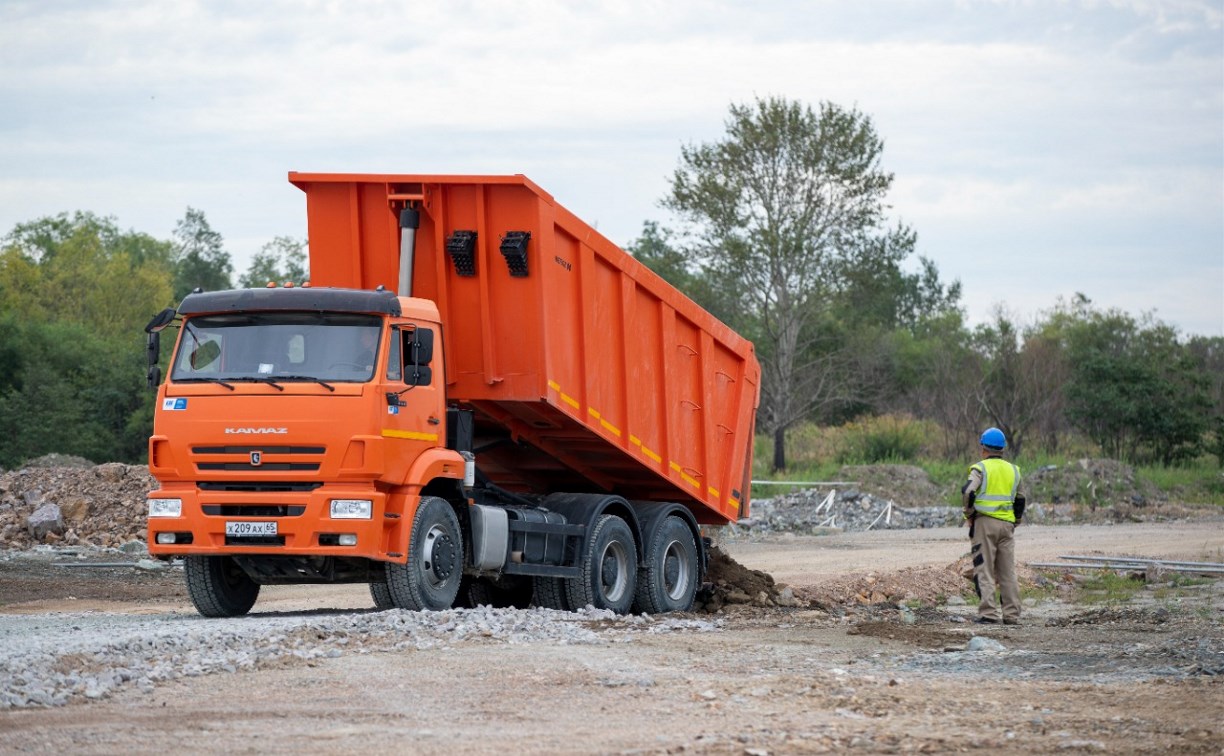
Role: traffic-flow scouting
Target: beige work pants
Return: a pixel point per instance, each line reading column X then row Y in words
column 994, row 564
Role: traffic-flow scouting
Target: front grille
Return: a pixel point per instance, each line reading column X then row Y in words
column 250, row 458
column 268, row 486
column 265, row 467
column 253, row 510
column 264, row 449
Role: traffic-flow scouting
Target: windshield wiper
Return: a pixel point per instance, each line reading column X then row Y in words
column 229, row 386
column 319, row 381
column 260, row 379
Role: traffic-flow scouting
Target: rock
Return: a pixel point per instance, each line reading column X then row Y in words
column 75, row 509
column 46, row 519
column 786, row 597
column 978, row 643
column 955, row 601
column 112, row 472
column 152, row 565
column 738, row 597
column 134, row 546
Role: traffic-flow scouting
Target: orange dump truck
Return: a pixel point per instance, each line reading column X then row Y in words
column 477, row 400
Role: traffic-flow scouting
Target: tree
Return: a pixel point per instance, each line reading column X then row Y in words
column 282, row 259
column 1021, row 388
column 1134, row 388
column 200, row 259
column 82, row 269
column 782, row 211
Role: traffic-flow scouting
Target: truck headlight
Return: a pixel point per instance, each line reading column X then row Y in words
column 165, row 507
column 351, row 509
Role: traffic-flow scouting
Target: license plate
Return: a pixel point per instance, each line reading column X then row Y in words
column 250, row 529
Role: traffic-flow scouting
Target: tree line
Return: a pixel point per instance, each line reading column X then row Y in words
column 781, row 230
column 75, row 293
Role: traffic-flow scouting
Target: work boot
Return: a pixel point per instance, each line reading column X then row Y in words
column 1011, row 621
column 985, row 621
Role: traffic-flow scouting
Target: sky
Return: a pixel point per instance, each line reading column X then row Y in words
column 1040, row 149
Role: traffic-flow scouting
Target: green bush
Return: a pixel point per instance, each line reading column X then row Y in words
column 886, row 438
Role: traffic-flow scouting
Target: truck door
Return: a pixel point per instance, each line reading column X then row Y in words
column 415, row 390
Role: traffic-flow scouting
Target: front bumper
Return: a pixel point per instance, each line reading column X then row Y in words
column 303, row 524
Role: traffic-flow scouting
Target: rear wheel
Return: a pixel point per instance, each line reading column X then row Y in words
column 218, row 586
column 608, row 575
column 669, row 580
column 550, row 593
column 431, row 576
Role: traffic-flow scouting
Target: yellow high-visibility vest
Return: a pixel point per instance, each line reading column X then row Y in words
column 997, row 494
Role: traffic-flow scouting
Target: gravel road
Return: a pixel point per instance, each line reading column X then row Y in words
column 314, row 669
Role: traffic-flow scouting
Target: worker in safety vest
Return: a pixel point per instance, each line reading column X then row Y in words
column 993, row 506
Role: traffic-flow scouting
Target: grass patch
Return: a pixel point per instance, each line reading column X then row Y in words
column 1201, row 482
column 1108, row 587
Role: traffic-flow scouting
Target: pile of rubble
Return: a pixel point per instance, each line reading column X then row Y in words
column 71, row 502
column 821, row 510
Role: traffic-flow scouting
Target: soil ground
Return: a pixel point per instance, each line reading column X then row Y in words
column 1141, row 676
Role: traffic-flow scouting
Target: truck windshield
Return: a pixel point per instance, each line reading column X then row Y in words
column 285, row 346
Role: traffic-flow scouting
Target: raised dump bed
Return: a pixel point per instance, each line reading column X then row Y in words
column 586, row 371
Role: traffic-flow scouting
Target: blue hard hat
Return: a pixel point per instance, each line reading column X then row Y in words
column 993, row 438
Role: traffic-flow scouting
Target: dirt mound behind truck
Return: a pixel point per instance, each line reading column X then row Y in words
column 100, row 505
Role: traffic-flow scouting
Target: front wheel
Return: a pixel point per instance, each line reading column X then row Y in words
column 379, row 590
column 430, row 578
column 669, row 580
column 608, row 574
column 218, row 586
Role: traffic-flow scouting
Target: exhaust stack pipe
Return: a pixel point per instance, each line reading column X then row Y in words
column 409, row 221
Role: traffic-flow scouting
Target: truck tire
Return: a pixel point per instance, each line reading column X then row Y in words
column 607, row 578
column 430, row 579
column 379, row 590
column 218, row 586
column 669, row 580
column 550, row 593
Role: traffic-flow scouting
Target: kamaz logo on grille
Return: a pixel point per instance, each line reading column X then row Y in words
column 256, row 458
column 256, row 430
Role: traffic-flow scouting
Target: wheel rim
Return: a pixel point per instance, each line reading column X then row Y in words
column 438, row 556
column 614, row 571
column 676, row 571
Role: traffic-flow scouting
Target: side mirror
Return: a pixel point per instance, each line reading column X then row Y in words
column 153, row 377
column 422, row 347
column 418, row 353
column 161, row 320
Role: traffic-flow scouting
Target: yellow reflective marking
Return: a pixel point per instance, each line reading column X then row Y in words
column 635, row 440
column 651, row 454
column 714, row 492
column 735, row 505
column 610, row 426
column 571, row 401
column 593, row 413
column 409, row 435
column 675, row 467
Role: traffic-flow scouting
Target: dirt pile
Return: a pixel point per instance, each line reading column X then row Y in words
column 904, row 485
column 76, row 503
column 729, row 582
column 926, row 584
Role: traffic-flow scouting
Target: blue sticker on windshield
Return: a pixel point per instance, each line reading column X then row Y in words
column 392, row 410
column 174, row 404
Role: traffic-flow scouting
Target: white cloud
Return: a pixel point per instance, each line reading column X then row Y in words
column 1074, row 130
